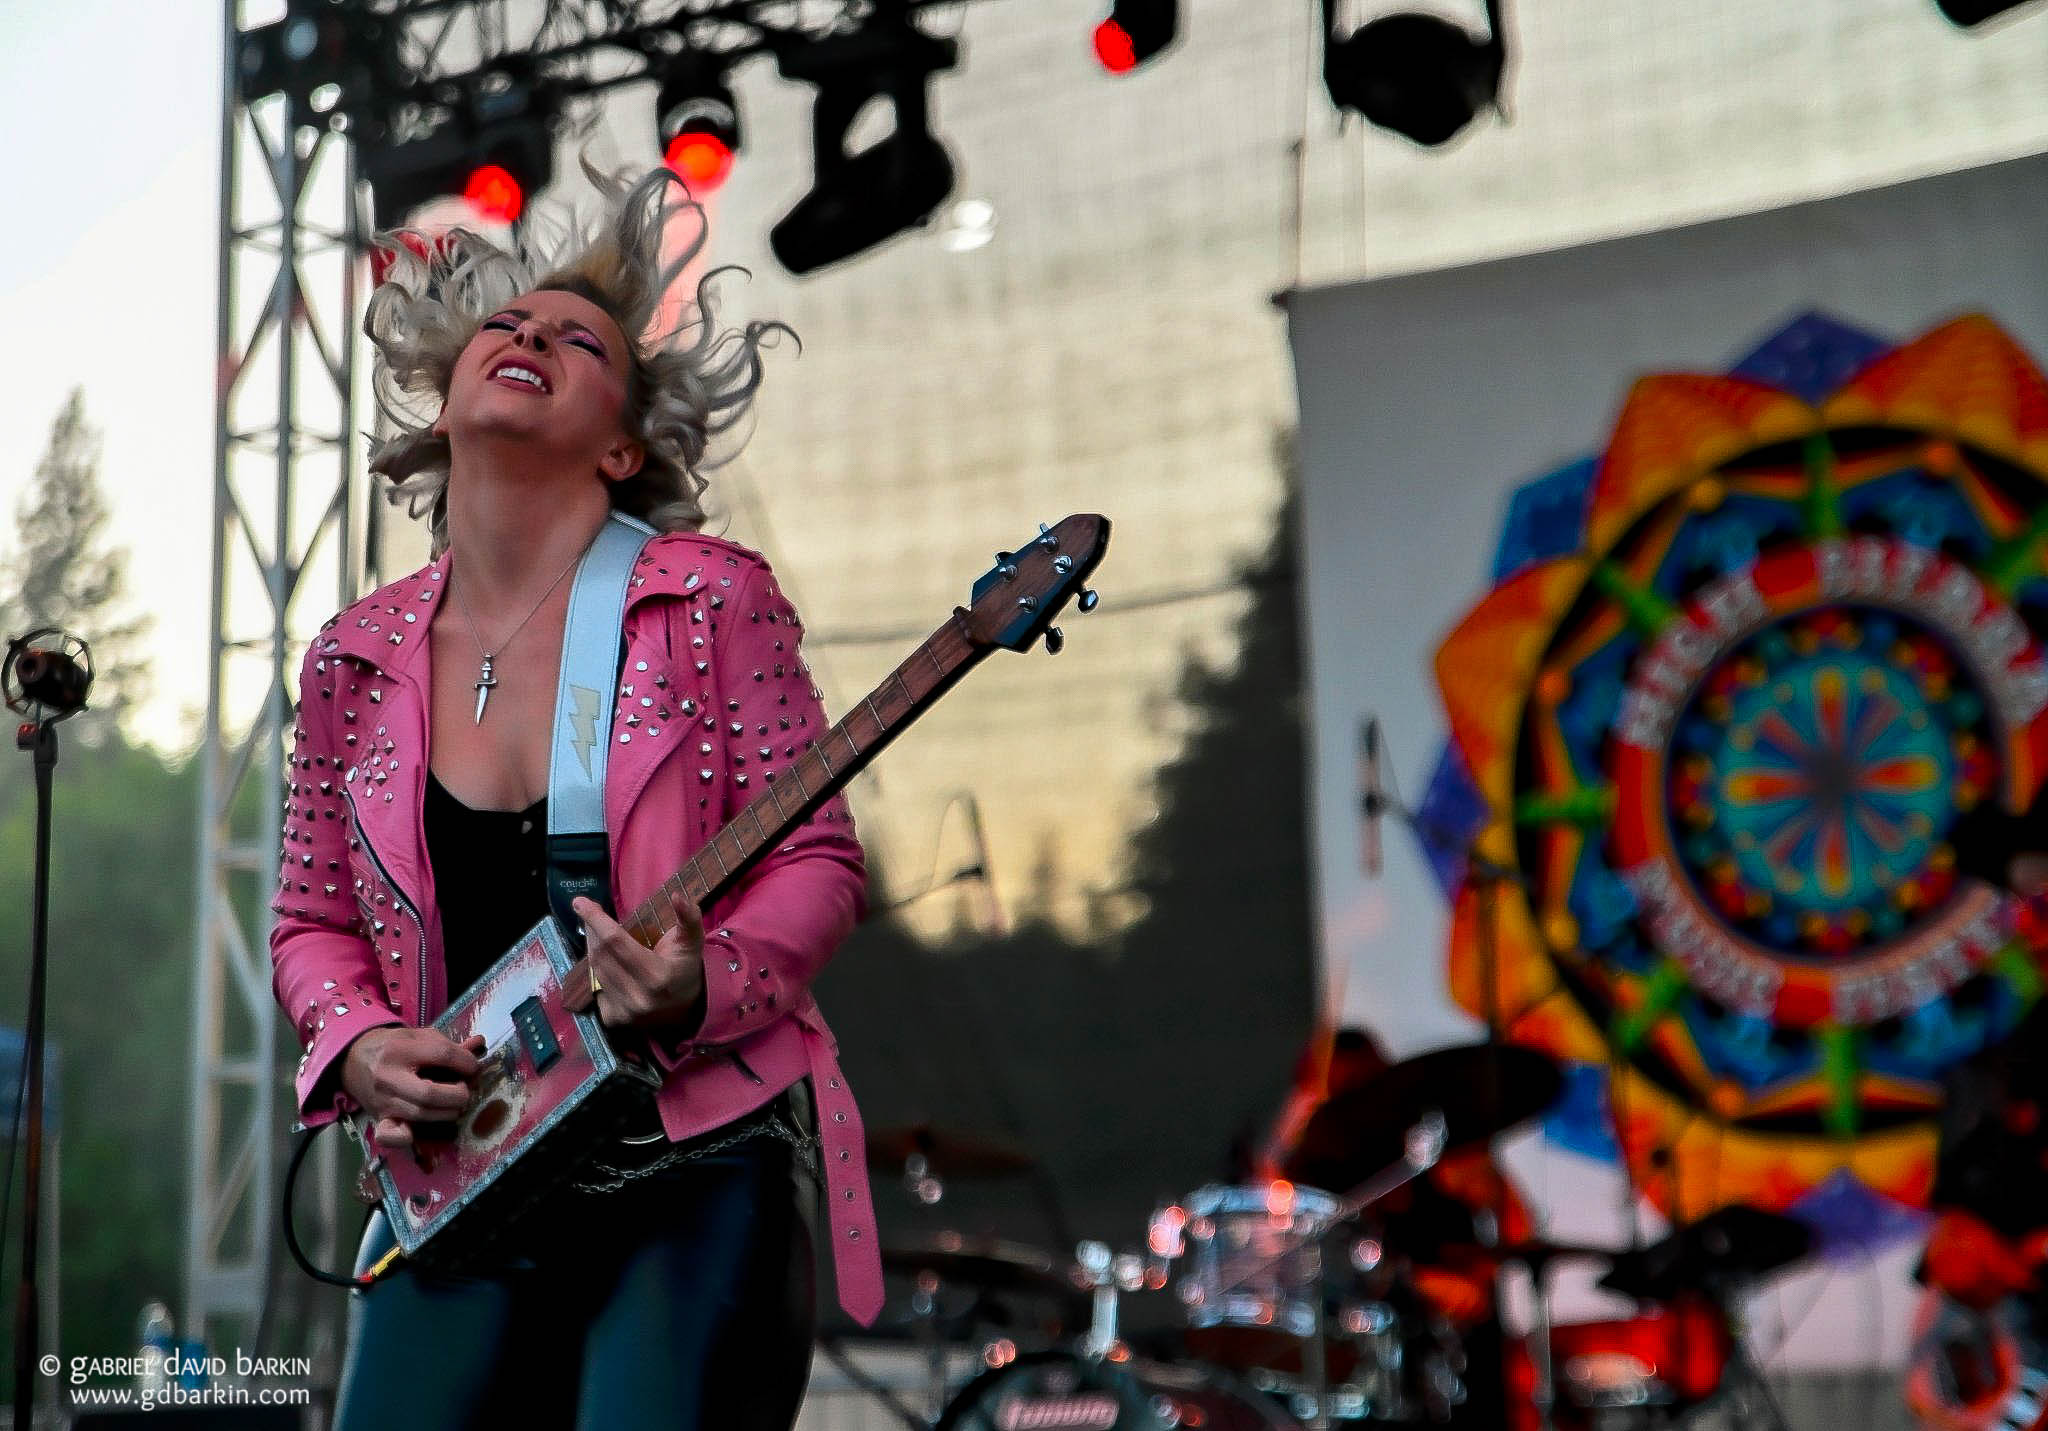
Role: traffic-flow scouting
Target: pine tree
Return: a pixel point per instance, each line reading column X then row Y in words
column 63, row 574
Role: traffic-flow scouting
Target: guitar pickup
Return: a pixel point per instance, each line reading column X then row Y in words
column 531, row 1021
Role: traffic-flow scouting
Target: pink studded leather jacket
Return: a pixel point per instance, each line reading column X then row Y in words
column 713, row 696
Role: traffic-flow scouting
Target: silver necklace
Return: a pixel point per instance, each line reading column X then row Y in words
column 485, row 681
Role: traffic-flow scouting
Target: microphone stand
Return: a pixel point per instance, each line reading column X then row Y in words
column 44, row 686
column 41, row 738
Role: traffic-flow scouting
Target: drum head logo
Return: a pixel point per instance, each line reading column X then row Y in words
column 1096, row 1409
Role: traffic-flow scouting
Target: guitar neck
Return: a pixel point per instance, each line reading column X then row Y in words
column 793, row 794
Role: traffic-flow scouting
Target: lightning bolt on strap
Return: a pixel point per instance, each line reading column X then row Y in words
column 583, row 724
column 579, row 856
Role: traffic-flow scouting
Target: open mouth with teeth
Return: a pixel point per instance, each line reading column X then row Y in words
column 519, row 375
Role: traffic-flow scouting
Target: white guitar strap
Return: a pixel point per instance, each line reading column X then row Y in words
column 578, row 851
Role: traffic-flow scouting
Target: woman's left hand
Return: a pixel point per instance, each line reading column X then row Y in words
column 638, row 986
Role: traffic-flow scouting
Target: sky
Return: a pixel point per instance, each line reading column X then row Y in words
column 109, row 285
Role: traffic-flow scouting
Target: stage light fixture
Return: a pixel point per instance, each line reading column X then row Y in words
column 497, row 154
column 311, row 49
column 699, row 123
column 858, row 200
column 1968, row 13
column 1419, row 75
column 1134, row 32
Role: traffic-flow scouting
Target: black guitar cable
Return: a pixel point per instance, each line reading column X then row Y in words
column 291, row 1237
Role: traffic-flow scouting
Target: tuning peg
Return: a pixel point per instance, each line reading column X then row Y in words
column 1063, row 564
column 1089, row 596
column 1046, row 538
column 1055, row 640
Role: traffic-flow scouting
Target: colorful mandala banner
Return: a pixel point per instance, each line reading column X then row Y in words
column 1736, row 680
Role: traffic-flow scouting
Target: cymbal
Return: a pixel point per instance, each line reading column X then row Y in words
column 951, row 1154
column 1481, row 1090
column 984, row 1262
column 1734, row 1244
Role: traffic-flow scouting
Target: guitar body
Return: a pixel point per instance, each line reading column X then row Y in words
column 553, row 1088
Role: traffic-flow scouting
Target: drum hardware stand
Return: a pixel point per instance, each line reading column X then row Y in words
column 929, row 1327
column 1421, row 1149
column 836, row 1353
column 924, row 1306
column 1544, row 1394
column 1742, row 1376
column 1314, row 1358
column 1106, row 1276
column 1486, row 876
column 1754, row 1390
column 925, row 1186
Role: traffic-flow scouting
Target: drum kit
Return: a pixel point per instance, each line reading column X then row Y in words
column 1296, row 1306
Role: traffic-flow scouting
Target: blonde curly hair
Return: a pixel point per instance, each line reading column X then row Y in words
column 684, row 387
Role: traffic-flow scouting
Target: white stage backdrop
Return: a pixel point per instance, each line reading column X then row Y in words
column 1425, row 400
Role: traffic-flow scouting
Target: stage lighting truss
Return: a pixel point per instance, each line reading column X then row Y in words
column 414, row 83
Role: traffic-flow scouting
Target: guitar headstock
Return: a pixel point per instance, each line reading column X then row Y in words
column 1017, row 599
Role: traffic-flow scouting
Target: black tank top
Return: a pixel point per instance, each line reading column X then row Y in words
column 488, row 879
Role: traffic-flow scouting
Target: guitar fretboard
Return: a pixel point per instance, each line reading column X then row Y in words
column 790, row 795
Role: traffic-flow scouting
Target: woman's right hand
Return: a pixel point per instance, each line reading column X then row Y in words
column 391, row 1072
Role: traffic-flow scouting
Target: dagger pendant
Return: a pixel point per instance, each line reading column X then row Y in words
column 484, row 681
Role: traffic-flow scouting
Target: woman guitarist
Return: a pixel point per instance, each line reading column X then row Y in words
column 670, row 1284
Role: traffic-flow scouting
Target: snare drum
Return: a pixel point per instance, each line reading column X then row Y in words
column 1253, row 1257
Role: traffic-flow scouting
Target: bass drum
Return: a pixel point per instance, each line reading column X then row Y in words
column 1063, row 1391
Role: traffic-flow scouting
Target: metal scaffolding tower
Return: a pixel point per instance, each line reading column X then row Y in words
column 283, row 520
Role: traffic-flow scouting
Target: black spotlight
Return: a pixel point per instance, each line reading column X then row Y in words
column 1967, row 13
column 858, row 200
column 1135, row 31
column 699, row 123
column 497, row 154
column 1418, row 75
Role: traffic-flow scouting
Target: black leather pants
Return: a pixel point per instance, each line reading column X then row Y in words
column 683, row 1299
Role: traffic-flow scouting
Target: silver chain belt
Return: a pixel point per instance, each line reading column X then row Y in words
column 771, row 1126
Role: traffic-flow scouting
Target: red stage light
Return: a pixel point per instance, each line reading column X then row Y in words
column 702, row 160
column 494, row 193
column 1114, row 47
